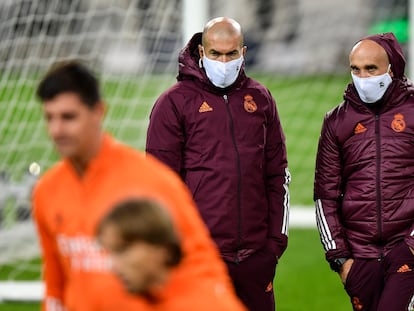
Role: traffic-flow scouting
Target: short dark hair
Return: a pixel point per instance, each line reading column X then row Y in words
column 70, row 77
column 142, row 219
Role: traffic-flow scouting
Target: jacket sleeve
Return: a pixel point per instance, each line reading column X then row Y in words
column 165, row 137
column 277, row 181
column 52, row 271
column 328, row 195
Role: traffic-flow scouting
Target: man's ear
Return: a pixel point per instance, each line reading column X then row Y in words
column 100, row 109
column 200, row 51
column 244, row 50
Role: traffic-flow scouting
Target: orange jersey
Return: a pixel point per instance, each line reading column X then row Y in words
column 67, row 209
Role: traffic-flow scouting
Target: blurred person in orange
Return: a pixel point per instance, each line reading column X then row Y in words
column 146, row 251
column 95, row 172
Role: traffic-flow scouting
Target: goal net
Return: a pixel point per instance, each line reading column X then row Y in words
column 297, row 48
column 132, row 45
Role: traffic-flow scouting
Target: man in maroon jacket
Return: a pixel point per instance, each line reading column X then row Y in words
column 220, row 131
column 364, row 179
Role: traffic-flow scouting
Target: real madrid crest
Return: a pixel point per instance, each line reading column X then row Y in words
column 398, row 124
column 249, row 104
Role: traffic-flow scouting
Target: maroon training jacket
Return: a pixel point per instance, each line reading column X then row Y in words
column 364, row 179
column 229, row 148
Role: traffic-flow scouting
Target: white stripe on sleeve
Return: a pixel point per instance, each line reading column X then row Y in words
column 286, row 203
column 324, row 231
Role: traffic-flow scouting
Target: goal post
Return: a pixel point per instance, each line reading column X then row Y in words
column 195, row 15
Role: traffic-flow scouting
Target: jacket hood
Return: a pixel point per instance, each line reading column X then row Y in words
column 395, row 54
column 189, row 66
column 188, row 60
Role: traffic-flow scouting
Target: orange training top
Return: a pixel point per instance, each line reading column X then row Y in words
column 77, row 273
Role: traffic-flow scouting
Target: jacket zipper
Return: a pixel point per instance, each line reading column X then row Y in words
column 233, row 136
column 378, row 178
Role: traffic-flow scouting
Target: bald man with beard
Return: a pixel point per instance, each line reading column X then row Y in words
column 364, row 179
column 220, row 131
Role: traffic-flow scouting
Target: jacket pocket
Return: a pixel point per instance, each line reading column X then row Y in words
column 350, row 277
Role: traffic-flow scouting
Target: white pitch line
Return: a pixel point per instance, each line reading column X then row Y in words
column 302, row 217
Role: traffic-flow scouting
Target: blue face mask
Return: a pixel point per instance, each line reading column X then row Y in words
column 222, row 74
column 372, row 89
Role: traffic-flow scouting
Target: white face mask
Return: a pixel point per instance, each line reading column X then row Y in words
column 372, row 89
column 222, row 74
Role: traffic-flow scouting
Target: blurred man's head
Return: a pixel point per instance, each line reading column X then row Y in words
column 73, row 110
column 70, row 77
column 141, row 240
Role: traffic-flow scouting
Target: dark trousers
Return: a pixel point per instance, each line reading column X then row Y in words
column 383, row 285
column 253, row 280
